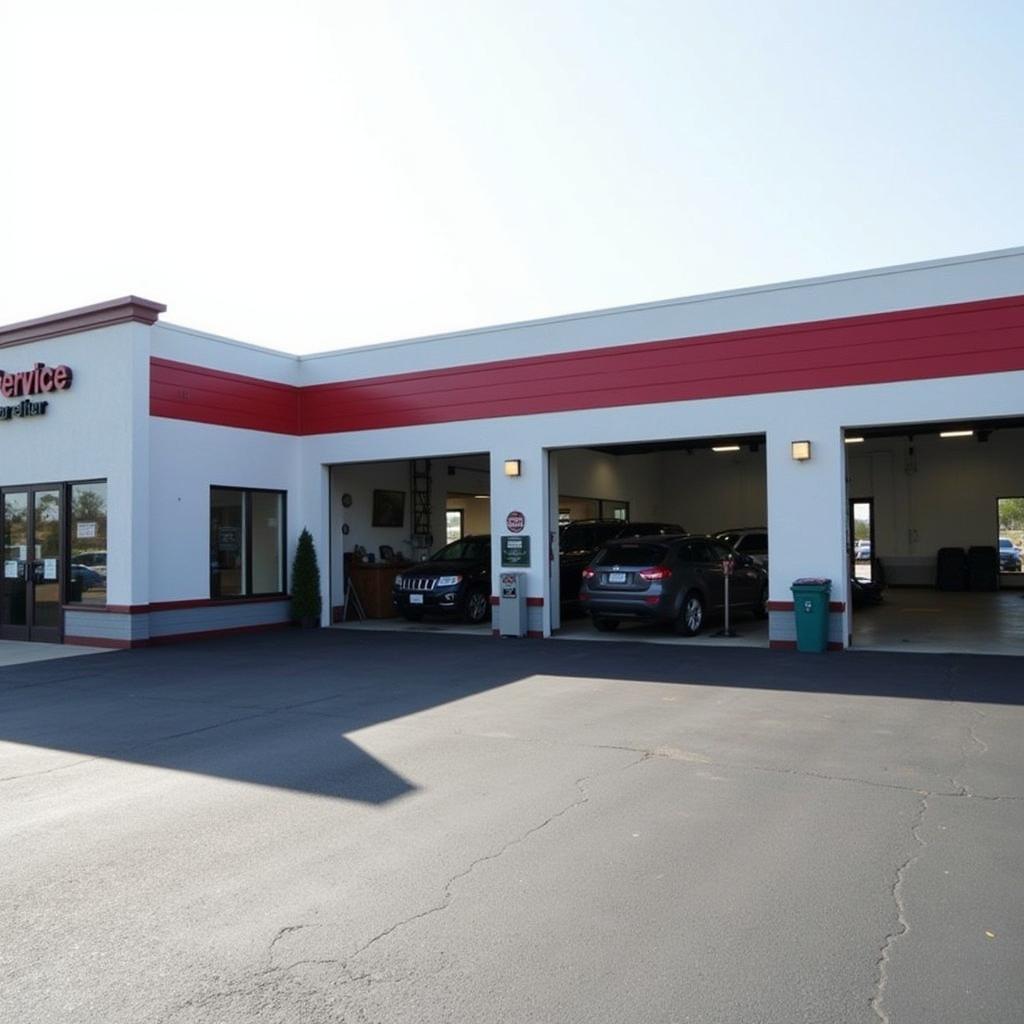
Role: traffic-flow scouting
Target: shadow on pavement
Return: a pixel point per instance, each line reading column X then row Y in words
column 275, row 709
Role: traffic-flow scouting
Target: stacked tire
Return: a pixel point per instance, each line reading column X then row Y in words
column 983, row 568
column 951, row 569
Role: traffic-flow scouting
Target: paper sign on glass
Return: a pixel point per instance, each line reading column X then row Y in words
column 86, row 531
column 10, row 570
column 49, row 568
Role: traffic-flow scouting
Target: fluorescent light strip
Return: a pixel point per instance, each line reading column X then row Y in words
column 957, row 433
column 726, row 448
column 854, row 440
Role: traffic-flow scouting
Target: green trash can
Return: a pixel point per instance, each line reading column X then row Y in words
column 810, row 605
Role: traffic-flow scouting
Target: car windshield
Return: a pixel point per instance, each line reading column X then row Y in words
column 632, row 554
column 728, row 539
column 469, row 549
column 1005, row 542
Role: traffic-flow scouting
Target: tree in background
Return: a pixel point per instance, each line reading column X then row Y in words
column 306, row 604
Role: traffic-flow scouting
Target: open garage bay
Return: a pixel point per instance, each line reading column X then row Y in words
column 341, row 826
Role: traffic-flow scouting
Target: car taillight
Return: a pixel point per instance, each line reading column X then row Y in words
column 589, row 574
column 659, row 572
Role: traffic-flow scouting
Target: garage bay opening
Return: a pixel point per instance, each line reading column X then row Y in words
column 644, row 530
column 410, row 544
column 934, row 543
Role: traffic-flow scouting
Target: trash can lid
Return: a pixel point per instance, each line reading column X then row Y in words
column 812, row 581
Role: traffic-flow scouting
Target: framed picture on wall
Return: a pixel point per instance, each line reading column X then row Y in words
column 389, row 508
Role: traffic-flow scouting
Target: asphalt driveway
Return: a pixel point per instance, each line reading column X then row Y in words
column 342, row 826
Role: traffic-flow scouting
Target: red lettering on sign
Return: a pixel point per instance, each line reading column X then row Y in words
column 41, row 379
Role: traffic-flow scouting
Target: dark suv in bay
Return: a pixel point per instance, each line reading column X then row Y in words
column 580, row 540
column 678, row 580
column 454, row 582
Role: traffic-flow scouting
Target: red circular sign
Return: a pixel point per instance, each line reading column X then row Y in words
column 516, row 522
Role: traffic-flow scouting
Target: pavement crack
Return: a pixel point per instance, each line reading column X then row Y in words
column 48, row 771
column 902, row 921
column 447, row 890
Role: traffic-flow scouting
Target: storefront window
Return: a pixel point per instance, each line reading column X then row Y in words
column 87, row 545
column 246, row 542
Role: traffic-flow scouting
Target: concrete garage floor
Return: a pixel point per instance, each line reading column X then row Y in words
column 942, row 622
column 342, row 827
column 750, row 632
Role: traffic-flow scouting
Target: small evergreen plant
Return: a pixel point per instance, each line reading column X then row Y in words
column 306, row 582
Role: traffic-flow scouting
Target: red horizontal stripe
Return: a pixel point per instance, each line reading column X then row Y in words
column 790, row 645
column 944, row 341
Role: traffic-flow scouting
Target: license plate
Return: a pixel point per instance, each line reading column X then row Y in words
column 616, row 577
column 415, row 599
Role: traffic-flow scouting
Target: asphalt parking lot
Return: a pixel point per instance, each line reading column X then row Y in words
column 341, row 826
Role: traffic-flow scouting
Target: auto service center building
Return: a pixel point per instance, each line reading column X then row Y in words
column 155, row 478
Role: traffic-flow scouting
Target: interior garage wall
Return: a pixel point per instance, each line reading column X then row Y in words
column 711, row 491
column 476, row 512
column 704, row 491
column 941, row 494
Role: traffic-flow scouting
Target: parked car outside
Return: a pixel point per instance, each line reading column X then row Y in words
column 747, row 540
column 862, row 550
column 1009, row 555
column 86, row 578
column 581, row 539
column 95, row 560
column 453, row 582
column 678, row 580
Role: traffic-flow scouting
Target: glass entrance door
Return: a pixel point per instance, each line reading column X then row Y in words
column 31, row 586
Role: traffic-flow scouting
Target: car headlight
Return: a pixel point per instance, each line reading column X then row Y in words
column 448, row 581
column 399, row 581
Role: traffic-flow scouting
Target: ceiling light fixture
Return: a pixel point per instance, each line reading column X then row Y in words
column 725, row 448
column 854, row 440
column 957, row 433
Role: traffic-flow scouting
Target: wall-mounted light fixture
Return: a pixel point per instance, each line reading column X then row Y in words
column 957, row 433
column 725, row 448
column 854, row 440
column 801, row 450
column 513, row 467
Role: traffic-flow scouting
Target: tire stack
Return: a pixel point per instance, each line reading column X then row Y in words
column 951, row 569
column 983, row 568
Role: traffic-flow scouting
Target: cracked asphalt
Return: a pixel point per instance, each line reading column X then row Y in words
column 349, row 827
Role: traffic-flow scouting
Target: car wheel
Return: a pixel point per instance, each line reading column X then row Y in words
column 691, row 615
column 761, row 608
column 603, row 625
column 478, row 604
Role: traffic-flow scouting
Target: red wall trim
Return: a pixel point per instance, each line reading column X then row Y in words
column 180, row 391
column 535, row 602
column 98, row 641
column 790, row 645
column 171, row 606
column 787, row 606
column 942, row 341
column 172, row 638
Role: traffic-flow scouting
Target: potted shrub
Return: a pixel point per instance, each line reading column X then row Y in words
column 306, row 603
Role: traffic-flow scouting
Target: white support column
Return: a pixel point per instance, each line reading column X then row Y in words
column 807, row 526
column 527, row 494
column 555, row 613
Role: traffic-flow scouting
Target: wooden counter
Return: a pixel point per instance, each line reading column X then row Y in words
column 374, row 583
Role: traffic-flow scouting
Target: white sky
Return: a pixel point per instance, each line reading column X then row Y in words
column 313, row 175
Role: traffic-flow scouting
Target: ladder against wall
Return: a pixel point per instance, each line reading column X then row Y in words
column 420, row 487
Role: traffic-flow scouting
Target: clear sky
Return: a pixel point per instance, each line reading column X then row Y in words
column 315, row 175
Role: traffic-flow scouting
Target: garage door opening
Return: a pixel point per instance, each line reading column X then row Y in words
column 410, row 544
column 695, row 502
column 933, row 538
